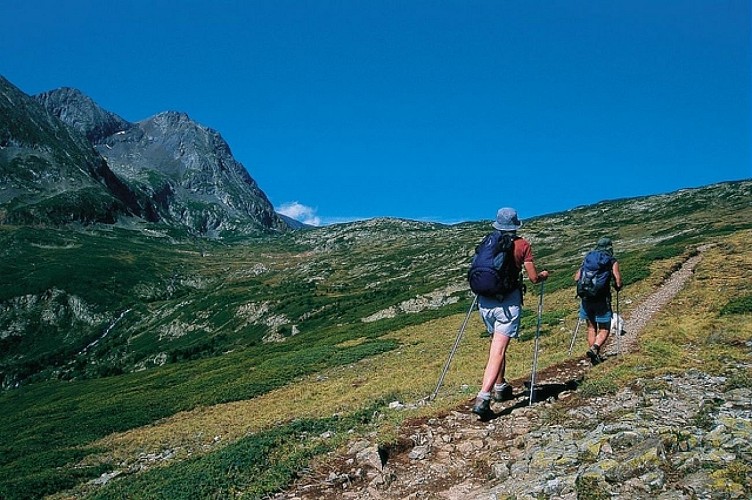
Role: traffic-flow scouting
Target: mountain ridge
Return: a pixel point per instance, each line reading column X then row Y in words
column 42, row 161
column 166, row 169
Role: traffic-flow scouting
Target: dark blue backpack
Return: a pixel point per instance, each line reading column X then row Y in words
column 595, row 275
column 492, row 271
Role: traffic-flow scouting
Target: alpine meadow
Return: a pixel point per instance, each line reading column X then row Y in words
column 167, row 335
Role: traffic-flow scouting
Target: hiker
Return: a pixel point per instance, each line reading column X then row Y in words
column 595, row 304
column 501, row 312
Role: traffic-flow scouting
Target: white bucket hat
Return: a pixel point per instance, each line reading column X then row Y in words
column 506, row 220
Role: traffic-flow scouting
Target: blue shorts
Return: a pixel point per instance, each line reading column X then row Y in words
column 596, row 310
column 502, row 315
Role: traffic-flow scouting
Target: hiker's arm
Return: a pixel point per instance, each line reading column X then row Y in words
column 617, row 275
column 533, row 274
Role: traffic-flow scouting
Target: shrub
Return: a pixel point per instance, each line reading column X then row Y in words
column 738, row 305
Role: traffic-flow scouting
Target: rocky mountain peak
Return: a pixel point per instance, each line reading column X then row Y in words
column 50, row 173
column 167, row 168
column 173, row 119
column 191, row 173
column 81, row 113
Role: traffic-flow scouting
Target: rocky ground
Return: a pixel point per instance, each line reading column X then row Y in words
column 675, row 437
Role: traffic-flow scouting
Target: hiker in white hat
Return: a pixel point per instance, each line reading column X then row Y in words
column 501, row 311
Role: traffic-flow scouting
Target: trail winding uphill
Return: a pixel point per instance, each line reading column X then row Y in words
column 644, row 312
column 619, row 445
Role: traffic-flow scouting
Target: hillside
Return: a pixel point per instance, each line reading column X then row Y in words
column 679, row 435
column 130, row 349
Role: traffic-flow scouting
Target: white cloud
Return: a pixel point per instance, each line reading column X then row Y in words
column 300, row 212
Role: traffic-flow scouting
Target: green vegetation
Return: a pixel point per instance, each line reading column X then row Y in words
column 31, row 454
column 738, row 305
column 550, row 321
column 599, row 386
column 123, row 342
column 256, row 465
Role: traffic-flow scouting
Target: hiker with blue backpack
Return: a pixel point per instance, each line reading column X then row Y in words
column 495, row 276
column 599, row 268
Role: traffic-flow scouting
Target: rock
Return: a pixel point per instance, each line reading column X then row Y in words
column 105, row 478
column 371, row 457
column 500, row 471
column 648, row 455
column 419, row 452
column 672, row 438
column 358, row 446
column 654, row 480
column 624, row 439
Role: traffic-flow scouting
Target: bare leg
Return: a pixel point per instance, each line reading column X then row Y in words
column 603, row 331
column 591, row 337
column 502, row 369
column 496, row 362
column 595, row 342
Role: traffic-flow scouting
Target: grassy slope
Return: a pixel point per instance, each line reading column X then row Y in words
column 219, row 409
column 410, row 374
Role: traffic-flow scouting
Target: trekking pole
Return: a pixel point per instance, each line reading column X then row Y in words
column 454, row 349
column 535, row 349
column 618, row 326
column 574, row 335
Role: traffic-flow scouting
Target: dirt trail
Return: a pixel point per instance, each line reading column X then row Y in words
column 644, row 312
column 400, row 475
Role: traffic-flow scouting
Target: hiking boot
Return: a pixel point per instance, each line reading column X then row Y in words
column 482, row 408
column 503, row 394
column 595, row 357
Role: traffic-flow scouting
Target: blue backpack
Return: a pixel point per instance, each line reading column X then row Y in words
column 595, row 275
column 492, row 271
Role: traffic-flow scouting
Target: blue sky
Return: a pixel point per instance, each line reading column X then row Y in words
column 440, row 110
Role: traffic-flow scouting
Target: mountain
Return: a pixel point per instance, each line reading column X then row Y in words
column 186, row 169
column 49, row 173
column 93, row 166
column 295, row 224
column 81, row 113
